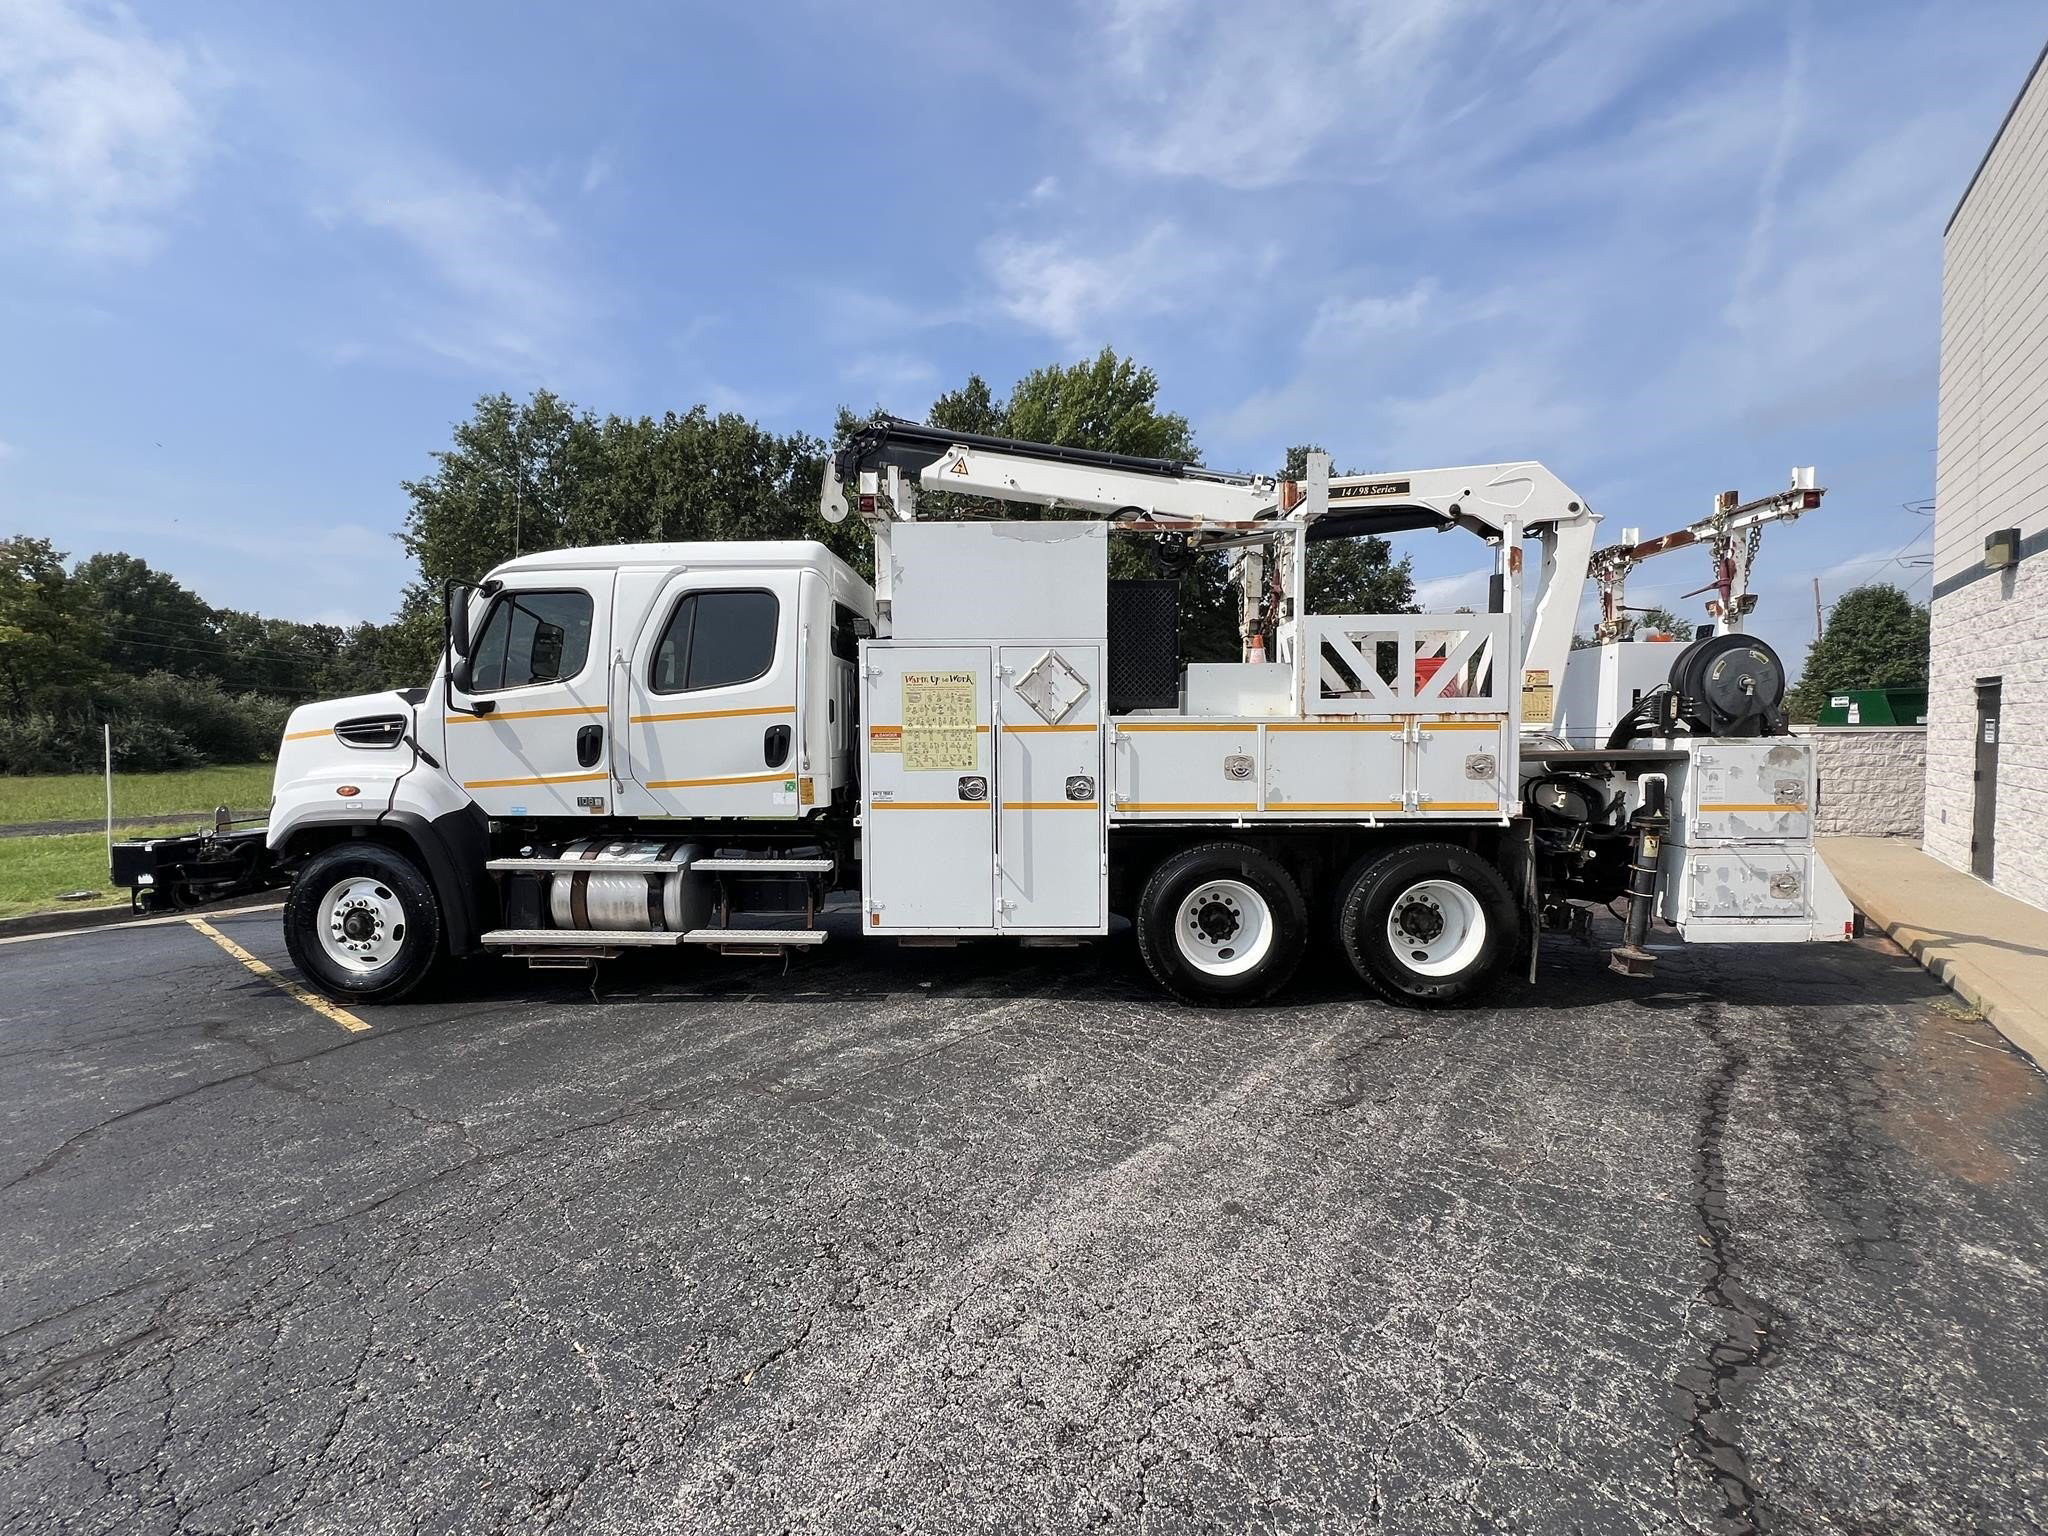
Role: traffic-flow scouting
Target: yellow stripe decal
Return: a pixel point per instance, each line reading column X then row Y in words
column 715, row 714
column 546, row 778
column 1333, row 805
column 1337, row 725
column 1238, row 726
column 325, row 730
column 929, row 805
column 1049, row 805
column 1040, row 729
column 526, row 714
column 1188, row 805
column 735, row 778
column 291, row 988
column 1799, row 807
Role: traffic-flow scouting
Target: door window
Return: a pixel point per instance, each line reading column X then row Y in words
column 530, row 638
column 716, row 639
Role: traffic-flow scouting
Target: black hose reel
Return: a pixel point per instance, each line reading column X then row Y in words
column 1730, row 685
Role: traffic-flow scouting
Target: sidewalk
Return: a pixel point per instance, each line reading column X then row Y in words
column 1991, row 949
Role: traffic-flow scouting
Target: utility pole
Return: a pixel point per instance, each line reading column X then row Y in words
column 1816, row 610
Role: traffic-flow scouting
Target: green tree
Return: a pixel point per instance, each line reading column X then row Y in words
column 1876, row 637
column 50, row 638
column 150, row 621
column 520, row 477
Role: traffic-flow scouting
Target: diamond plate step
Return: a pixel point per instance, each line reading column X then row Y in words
column 578, row 938
column 585, row 866
column 763, row 866
column 779, row 938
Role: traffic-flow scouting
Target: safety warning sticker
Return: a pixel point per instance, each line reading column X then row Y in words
column 938, row 721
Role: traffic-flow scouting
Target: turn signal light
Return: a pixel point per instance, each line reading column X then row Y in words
column 346, row 790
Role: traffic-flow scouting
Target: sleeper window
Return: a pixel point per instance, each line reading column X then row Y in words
column 529, row 638
column 716, row 639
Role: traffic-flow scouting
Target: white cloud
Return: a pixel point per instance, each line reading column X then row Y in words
column 1447, row 594
column 599, row 169
column 893, row 376
column 6, row 451
column 101, row 126
column 1346, row 322
column 1073, row 291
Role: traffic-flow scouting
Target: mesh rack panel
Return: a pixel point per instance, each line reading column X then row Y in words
column 1144, row 645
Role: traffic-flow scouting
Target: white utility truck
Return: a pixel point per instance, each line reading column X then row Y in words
column 701, row 745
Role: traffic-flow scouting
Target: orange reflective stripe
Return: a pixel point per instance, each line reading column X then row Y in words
column 735, row 778
column 548, row 778
column 527, row 714
column 715, row 714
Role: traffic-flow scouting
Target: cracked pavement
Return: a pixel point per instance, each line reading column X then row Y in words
column 994, row 1239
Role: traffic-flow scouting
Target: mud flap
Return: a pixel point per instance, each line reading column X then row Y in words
column 1518, row 863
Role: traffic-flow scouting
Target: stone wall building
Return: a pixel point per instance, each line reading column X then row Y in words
column 1869, row 779
column 1987, row 717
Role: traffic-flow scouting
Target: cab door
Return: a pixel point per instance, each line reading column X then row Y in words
column 527, row 735
column 713, row 693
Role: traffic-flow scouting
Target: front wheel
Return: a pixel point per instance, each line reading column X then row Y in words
column 1429, row 925
column 362, row 923
column 1221, row 923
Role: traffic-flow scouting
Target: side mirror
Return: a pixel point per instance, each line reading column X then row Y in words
column 458, row 672
column 457, row 599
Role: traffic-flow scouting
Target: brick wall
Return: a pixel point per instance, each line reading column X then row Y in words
column 1991, row 472
column 1996, row 626
column 1870, row 780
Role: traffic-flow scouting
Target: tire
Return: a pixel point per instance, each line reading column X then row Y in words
column 1221, row 923
column 393, row 932
column 1457, row 920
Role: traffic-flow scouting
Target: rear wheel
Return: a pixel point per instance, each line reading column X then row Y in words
column 362, row 923
column 1430, row 925
column 1221, row 923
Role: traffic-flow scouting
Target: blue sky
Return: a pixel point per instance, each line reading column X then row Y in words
column 255, row 259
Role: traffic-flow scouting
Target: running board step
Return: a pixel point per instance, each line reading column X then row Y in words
column 584, row 867
column 580, row 939
column 756, row 940
column 763, row 866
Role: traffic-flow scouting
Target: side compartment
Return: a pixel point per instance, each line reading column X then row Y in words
column 928, row 833
column 1050, row 855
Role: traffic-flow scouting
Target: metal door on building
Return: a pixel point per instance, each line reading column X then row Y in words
column 1984, row 827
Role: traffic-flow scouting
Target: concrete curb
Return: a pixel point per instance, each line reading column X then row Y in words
column 2010, row 1008
column 85, row 918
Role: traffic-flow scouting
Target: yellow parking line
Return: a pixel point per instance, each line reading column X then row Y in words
column 302, row 993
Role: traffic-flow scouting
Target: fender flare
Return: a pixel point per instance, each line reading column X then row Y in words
column 452, row 848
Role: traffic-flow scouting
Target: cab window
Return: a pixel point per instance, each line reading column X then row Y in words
column 530, row 638
column 716, row 639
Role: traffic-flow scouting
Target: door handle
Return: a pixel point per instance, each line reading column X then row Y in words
column 775, row 745
column 589, row 745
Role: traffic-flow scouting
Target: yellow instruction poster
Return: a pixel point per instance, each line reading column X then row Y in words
column 1538, row 697
column 938, row 721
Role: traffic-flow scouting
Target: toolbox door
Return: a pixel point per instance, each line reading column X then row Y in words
column 928, row 836
column 1049, row 834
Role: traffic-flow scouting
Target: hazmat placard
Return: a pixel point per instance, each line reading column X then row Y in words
column 938, row 721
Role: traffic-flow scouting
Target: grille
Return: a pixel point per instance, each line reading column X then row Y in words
column 1144, row 645
column 372, row 731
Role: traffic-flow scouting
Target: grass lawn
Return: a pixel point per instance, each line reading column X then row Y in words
column 243, row 787
column 35, row 871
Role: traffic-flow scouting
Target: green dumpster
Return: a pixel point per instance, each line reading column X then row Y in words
column 1875, row 706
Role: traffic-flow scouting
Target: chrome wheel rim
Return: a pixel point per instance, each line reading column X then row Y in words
column 361, row 923
column 1223, row 928
column 1436, row 928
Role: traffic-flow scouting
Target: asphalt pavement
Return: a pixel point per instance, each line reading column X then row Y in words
column 992, row 1240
